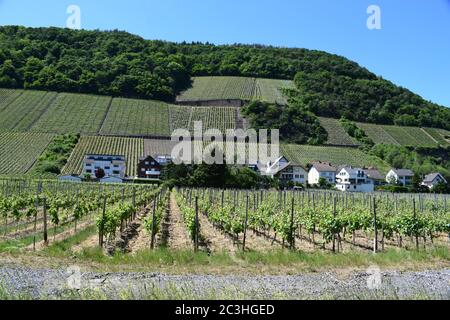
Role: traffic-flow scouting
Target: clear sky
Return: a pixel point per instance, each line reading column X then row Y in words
column 412, row 49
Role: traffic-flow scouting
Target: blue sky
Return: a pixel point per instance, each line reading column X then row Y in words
column 412, row 49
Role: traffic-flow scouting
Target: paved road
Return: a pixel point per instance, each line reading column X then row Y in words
column 59, row 283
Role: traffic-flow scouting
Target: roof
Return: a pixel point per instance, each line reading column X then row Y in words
column 430, row 177
column 374, row 174
column 122, row 157
column 403, row 172
column 323, row 166
column 276, row 167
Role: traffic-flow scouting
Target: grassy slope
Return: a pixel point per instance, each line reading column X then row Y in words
column 19, row 151
column 242, row 88
column 336, row 133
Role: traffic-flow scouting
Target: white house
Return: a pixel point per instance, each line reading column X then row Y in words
column 400, row 176
column 71, row 178
column 286, row 171
column 321, row 170
column 433, row 179
column 351, row 179
column 112, row 165
column 109, row 179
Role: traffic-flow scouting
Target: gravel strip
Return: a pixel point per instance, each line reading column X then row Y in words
column 57, row 284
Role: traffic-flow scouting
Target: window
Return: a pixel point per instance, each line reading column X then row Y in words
column 88, row 165
column 116, row 166
column 116, row 172
column 302, row 176
column 297, row 176
column 143, row 169
column 107, row 168
column 89, row 171
column 146, row 163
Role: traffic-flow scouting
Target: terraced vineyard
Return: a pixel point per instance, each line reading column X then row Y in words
column 440, row 135
column 158, row 147
column 405, row 136
column 221, row 118
column 304, row 154
column 336, row 133
column 137, row 117
column 235, row 88
column 20, row 114
column 269, row 90
column 410, row 136
column 74, row 113
column 7, row 96
column 19, row 151
column 131, row 148
column 218, row 88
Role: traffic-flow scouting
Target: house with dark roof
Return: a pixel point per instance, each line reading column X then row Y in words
column 150, row 168
column 376, row 176
column 321, row 170
column 400, row 177
column 433, row 179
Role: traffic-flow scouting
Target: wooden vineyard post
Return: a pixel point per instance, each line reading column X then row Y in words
column 101, row 231
column 292, row 225
column 45, row 221
column 196, row 237
column 134, row 203
column 35, row 223
column 375, row 238
column 222, row 200
column 152, row 243
column 415, row 223
column 245, row 224
column 334, row 216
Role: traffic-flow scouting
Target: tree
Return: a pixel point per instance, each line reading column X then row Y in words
column 100, row 173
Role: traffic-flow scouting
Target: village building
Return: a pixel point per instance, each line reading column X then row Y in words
column 433, row 179
column 286, row 171
column 112, row 165
column 376, row 176
column 401, row 177
column 151, row 167
column 321, row 170
column 351, row 179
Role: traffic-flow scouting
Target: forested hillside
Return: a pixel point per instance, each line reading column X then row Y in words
column 120, row 64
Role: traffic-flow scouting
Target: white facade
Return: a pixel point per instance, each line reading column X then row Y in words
column 112, row 165
column 295, row 174
column 354, row 180
column 401, row 177
column 314, row 176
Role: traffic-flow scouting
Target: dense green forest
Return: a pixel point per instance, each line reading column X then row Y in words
column 296, row 125
column 120, row 64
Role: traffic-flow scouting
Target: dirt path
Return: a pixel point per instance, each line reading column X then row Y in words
column 142, row 238
column 215, row 240
column 176, row 236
